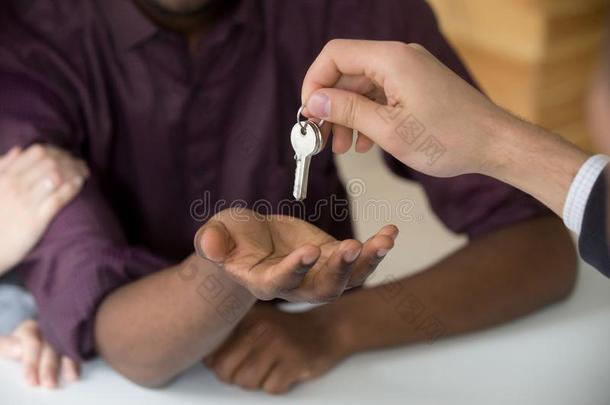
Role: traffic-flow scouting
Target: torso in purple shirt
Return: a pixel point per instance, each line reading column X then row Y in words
column 173, row 135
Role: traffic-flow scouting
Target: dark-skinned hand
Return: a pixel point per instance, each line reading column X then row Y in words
column 276, row 256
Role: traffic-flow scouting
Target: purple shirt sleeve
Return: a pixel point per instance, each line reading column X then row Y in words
column 473, row 204
column 80, row 260
column 84, row 254
column 99, row 79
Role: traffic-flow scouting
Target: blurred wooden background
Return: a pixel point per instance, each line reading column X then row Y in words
column 533, row 57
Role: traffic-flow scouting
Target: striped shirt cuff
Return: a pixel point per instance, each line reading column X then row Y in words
column 576, row 202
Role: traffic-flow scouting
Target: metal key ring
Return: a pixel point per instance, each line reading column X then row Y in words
column 303, row 126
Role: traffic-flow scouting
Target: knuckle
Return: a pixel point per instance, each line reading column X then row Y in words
column 393, row 49
column 38, row 151
column 414, row 47
column 332, row 44
column 52, row 164
column 350, row 111
column 54, row 173
column 400, row 54
column 396, row 46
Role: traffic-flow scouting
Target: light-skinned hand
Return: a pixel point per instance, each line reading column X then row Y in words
column 42, row 365
column 402, row 98
column 35, row 184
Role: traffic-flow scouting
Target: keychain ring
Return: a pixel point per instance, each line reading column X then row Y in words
column 304, row 126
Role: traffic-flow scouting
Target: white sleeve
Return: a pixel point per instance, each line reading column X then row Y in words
column 576, row 201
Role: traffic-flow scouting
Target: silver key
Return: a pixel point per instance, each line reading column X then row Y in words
column 307, row 141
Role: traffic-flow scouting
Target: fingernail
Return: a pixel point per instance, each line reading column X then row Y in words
column 351, row 257
column 197, row 243
column 78, row 181
column 310, row 259
column 319, row 105
column 382, row 253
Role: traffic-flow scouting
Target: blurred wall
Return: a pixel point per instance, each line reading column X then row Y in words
column 533, row 57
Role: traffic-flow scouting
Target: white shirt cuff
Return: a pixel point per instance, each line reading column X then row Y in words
column 576, row 202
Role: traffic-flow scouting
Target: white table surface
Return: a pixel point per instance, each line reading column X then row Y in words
column 557, row 356
column 560, row 355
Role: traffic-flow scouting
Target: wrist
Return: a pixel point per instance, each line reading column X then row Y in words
column 211, row 282
column 533, row 160
column 341, row 334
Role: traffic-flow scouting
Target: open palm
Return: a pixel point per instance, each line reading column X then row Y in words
column 284, row 257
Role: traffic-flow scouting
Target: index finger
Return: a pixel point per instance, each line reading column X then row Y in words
column 372, row 59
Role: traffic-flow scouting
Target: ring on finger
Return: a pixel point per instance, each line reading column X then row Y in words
column 48, row 185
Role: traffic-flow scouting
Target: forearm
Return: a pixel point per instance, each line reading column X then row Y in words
column 155, row 328
column 534, row 160
column 494, row 279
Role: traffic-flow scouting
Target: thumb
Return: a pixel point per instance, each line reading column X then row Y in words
column 10, row 348
column 214, row 242
column 355, row 111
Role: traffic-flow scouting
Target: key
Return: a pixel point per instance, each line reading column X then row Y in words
column 307, row 141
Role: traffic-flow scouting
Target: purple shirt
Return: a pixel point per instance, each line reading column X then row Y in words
column 168, row 135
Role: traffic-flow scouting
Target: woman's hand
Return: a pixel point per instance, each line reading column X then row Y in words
column 273, row 350
column 41, row 363
column 402, row 98
column 34, row 184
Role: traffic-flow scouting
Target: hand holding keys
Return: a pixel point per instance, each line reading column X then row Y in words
column 307, row 141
